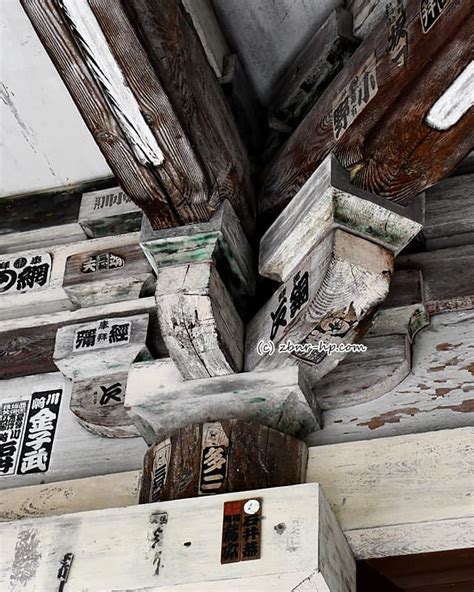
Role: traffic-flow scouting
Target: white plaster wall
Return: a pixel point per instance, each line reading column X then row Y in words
column 43, row 141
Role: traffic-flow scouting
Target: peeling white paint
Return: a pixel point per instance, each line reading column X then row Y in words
column 107, row 73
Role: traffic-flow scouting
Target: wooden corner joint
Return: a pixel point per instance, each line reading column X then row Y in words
column 205, row 278
column 333, row 250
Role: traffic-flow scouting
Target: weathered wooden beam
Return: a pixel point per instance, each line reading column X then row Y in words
column 221, row 457
column 31, row 282
column 416, row 507
column 27, row 344
column 449, row 218
column 108, row 211
column 312, row 70
column 159, row 401
column 66, row 452
column 395, row 76
column 146, row 122
column 108, row 275
column 327, row 295
column 437, row 394
column 300, row 541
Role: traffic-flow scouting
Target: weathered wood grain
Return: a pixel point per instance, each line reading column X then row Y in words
column 108, row 211
column 447, row 277
column 329, row 293
column 98, row 406
column 396, row 91
column 328, row 200
column 312, row 70
column 80, row 353
column 198, row 320
column 366, row 15
column 180, row 63
column 137, row 180
column 52, row 297
column 449, row 218
column 110, row 274
column 386, row 505
column 437, row 394
column 159, row 401
column 221, row 457
column 302, row 545
column 76, row 453
column 27, row 344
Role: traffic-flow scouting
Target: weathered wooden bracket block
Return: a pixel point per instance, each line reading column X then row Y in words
column 321, row 304
column 221, row 457
column 108, row 211
column 302, row 546
column 107, row 275
column 27, row 344
column 96, row 357
column 205, row 280
column 97, row 404
column 159, row 401
column 106, row 345
column 326, row 201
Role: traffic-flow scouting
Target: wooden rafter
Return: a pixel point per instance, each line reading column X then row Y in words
column 162, row 124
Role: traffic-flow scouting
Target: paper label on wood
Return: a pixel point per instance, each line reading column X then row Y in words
column 12, row 423
column 214, row 458
column 355, row 97
column 161, row 461
column 101, row 262
column 22, row 274
column 103, row 333
column 292, row 300
column 241, row 530
column 398, row 35
column 430, row 11
column 40, row 430
column 108, row 198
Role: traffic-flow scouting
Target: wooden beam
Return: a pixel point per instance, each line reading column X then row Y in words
column 139, row 112
column 301, row 545
column 437, row 394
column 219, row 457
column 385, row 505
column 395, row 76
column 159, row 401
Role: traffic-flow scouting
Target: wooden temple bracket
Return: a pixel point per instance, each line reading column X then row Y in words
column 96, row 356
column 333, row 249
column 205, row 279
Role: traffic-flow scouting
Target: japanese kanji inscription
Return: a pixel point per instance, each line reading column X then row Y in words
column 21, row 274
column 161, row 462
column 103, row 333
column 430, row 11
column 102, row 262
column 298, row 298
column 214, row 458
column 353, row 99
column 241, row 530
column 12, row 423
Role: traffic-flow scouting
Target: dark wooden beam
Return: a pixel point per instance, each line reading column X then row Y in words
column 160, row 117
column 373, row 114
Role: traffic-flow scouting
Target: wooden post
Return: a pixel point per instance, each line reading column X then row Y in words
column 221, row 457
column 205, row 280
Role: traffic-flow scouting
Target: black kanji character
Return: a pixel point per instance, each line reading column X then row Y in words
column 250, row 549
column 231, row 533
column 250, row 532
column 340, row 117
column 7, row 450
column 118, row 333
column 31, row 275
column 110, row 392
column 230, row 551
column 85, row 338
column 279, row 316
column 7, row 279
column 300, row 293
column 20, row 262
column 36, row 260
column 103, row 324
